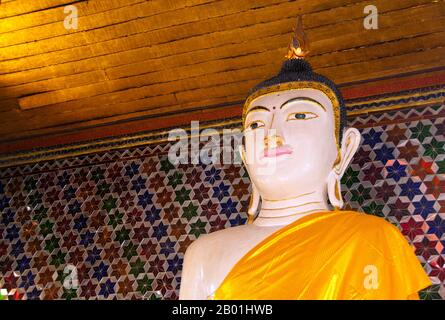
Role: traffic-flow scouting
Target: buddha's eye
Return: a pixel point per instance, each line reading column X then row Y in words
column 302, row 116
column 255, row 125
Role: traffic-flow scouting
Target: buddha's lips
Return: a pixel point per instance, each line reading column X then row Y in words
column 276, row 152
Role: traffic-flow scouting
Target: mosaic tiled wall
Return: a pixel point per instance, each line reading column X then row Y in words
column 125, row 218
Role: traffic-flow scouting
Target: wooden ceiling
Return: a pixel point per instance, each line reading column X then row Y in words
column 133, row 58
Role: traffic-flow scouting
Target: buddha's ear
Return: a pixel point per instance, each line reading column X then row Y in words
column 350, row 144
column 255, row 196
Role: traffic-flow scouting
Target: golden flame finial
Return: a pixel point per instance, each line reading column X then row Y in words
column 299, row 45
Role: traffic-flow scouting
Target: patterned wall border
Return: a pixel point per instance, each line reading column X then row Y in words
column 414, row 98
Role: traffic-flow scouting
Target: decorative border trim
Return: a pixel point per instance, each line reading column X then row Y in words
column 103, row 145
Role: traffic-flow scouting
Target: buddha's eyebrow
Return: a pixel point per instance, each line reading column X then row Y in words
column 303, row 99
column 258, row 108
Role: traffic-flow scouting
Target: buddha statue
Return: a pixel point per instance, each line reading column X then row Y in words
column 299, row 243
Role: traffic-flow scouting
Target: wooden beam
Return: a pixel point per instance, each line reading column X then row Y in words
column 388, row 66
column 413, row 61
column 342, row 42
column 319, row 26
column 125, row 17
column 56, row 15
column 398, row 47
column 54, row 70
column 150, row 16
column 17, row 8
column 120, row 125
column 182, row 70
column 133, row 46
column 192, row 69
column 87, row 125
column 74, row 80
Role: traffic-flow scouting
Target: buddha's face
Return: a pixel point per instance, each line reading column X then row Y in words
column 290, row 142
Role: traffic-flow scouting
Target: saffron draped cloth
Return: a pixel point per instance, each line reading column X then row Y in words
column 328, row 255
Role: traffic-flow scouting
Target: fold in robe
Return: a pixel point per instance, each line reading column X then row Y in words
column 328, row 255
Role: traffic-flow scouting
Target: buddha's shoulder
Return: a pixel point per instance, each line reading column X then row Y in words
column 363, row 218
column 364, row 223
column 227, row 234
column 228, row 238
column 210, row 240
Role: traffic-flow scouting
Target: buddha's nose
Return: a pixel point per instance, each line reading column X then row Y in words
column 273, row 141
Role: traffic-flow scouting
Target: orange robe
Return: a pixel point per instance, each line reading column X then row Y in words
column 328, row 255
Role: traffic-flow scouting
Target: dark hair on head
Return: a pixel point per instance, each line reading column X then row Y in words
column 294, row 70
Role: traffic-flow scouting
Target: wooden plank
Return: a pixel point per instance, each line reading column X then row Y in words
column 88, row 125
column 104, row 34
column 135, row 87
column 88, row 64
column 88, row 22
column 346, row 73
column 75, row 54
column 8, row 104
column 387, row 66
column 102, row 109
column 136, row 43
column 114, row 72
column 127, row 17
column 102, row 121
column 316, row 32
column 115, row 59
column 192, row 97
column 401, row 23
column 385, row 49
column 9, row 9
column 148, row 18
column 323, row 60
column 157, row 76
column 29, row 20
column 155, row 89
column 53, row 84
column 39, row 100
column 412, row 61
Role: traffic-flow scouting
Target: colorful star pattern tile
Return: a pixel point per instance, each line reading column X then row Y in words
column 123, row 219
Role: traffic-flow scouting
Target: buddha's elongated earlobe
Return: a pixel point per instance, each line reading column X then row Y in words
column 334, row 190
column 255, row 196
column 349, row 146
column 254, row 203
